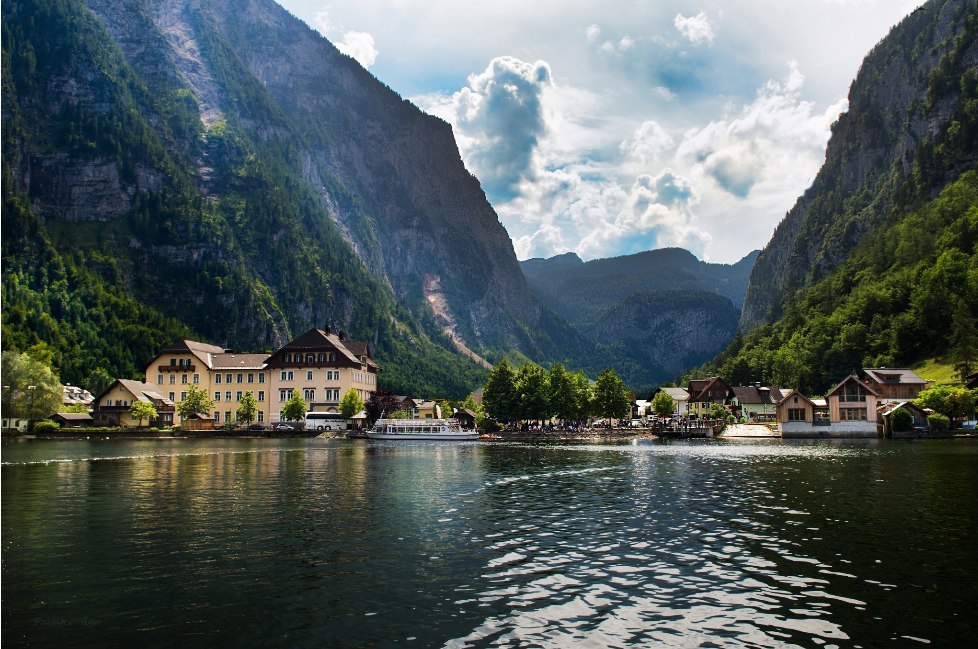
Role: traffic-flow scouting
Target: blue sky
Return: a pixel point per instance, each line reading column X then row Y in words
column 616, row 126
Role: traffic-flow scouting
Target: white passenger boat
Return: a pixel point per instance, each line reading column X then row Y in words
column 420, row 429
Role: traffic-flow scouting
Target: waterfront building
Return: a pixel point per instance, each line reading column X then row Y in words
column 705, row 393
column 680, row 397
column 894, row 383
column 756, row 403
column 111, row 406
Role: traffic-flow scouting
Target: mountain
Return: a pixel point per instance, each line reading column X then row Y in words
column 904, row 137
column 217, row 169
column 656, row 312
column 876, row 264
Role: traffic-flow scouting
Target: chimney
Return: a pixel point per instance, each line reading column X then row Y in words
column 342, row 335
column 328, row 330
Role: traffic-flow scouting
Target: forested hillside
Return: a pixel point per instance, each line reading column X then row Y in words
column 877, row 262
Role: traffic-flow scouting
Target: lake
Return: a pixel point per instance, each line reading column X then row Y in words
column 337, row 543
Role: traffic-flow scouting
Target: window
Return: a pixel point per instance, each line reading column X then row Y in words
column 796, row 414
column 196, row 379
column 227, row 415
column 217, row 396
column 283, row 375
column 240, row 378
column 852, row 392
column 287, row 358
column 261, row 416
column 237, row 395
column 183, row 379
column 171, row 396
column 159, row 379
column 173, row 379
column 261, row 395
column 227, row 395
column 183, row 396
column 217, row 378
column 173, row 362
column 310, row 358
column 251, row 377
column 261, row 377
column 283, row 394
column 852, row 414
column 322, row 357
column 309, row 376
column 217, row 416
column 309, row 395
column 227, row 378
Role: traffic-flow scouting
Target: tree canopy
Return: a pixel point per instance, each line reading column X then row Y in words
column 31, row 390
column 351, row 404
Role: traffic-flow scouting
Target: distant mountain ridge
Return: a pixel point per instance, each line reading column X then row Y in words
column 659, row 312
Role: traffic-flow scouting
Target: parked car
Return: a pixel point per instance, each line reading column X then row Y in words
column 285, row 427
column 256, row 427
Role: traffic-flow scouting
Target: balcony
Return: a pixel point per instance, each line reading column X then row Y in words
column 177, row 368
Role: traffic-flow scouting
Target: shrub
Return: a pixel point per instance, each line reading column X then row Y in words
column 901, row 421
column 46, row 426
column 938, row 423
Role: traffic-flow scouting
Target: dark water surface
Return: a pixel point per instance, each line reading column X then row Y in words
column 311, row 543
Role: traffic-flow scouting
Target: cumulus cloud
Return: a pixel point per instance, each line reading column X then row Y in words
column 778, row 138
column 358, row 45
column 648, row 143
column 696, row 29
column 499, row 120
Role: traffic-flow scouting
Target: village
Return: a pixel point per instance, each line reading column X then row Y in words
column 320, row 369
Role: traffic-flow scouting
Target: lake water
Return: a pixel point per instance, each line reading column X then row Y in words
column 315, row 543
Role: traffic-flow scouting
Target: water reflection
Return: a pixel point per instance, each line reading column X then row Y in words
column 316, row 543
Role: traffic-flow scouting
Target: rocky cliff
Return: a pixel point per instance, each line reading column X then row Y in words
column 224, row 166
column 894, row 145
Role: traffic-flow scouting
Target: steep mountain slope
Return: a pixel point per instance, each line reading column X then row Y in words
column 903, row 138
column 657, row 312
column 224, row 168
column 877, row 263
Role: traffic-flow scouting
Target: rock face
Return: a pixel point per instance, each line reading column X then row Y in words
column 251, row 181
column 881, row 154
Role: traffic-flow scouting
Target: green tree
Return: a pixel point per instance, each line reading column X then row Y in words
column 584, row 398
column 663, row 404
column 499, row 395
column 351, row 404
column 955, row 402
column 79, row 408
column 964, row 341
column 31, row 390
column 142, row 410
column 901, row 421
column 247, row 408
column 610, row 397
column 563, row 393
column 938, row 423
column 534, row 393
column 717, row 411
column 295, row 408
column 480, row 412
column 196, row 403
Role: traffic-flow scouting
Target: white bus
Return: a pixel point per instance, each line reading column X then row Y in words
column 325, row 421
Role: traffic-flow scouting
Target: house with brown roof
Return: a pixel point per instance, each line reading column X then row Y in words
column 894, row 383
column 705, row 393
column 848, row 410
column 679, row 396
column 918, row 419
column 111, row 406
column 756, row 403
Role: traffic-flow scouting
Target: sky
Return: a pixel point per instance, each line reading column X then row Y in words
column 612, row 127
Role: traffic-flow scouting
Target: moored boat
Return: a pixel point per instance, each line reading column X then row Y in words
column 447, row 429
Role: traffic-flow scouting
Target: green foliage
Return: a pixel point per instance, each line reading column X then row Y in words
column 351, row 404
column 956, row 402
column 140, row 410
column 939, row 423
column 247, row 408
column 963, row 342
column 663, row 404
column 610, row 396
column 533, row 388
column 77, row 408
column 381, row 404
column 717, row 411
column 500, row 396
column 30, row 389
column 46, row 426
column 196, row 403
column 295, row 408
column 891, row 303
column 901, row 421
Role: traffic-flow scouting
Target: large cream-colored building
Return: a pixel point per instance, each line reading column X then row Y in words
column 320, row 364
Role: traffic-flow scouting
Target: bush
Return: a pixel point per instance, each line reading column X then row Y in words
column 938, row 423
column 901, row 421
column 46, row 426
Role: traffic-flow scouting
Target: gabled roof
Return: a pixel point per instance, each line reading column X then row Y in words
column 853, row 377
column 757, row 395
column 894, row 376
column 889, row 408
column 794, row 393
column 701, row 386
column 73, row 416
column 203, row 351
column 317, row 339
column 141, row 391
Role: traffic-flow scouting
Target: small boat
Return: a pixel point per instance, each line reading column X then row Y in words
column 420, row 429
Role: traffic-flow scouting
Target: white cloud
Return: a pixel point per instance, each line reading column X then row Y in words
column 696, row 29
column 358, row 45
column 648, row 143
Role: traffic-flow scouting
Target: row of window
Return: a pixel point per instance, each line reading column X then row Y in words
column 228, row 416
column 309, row 394
column 298, row 357
column 228, row 378
column 260, row 397
column 331, row 375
